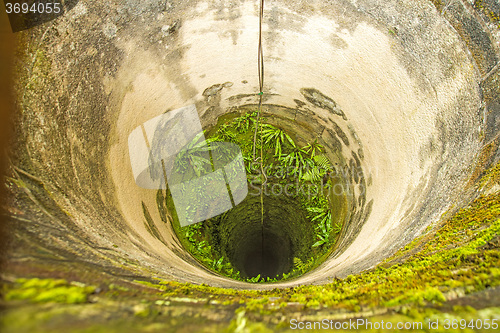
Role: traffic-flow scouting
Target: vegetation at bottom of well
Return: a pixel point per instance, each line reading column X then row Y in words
column 284, row 163
column 48, row 290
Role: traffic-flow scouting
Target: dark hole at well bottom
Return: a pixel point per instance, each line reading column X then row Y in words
column 266, row 254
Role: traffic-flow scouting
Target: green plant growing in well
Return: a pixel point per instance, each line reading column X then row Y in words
column 336, row 228
column 319, row 213
column 323, row 230
column 300, row 266
column 275, row 137
column 255, row 279
column 231, row 130
column 191, row 231
column 313, row 148
column 323, row 214
column 217, row 264
column 204, row 252
column 322, row 161
column 224, row 133
column 296, row 160
column 319, row 167
column 248, row 164
column 270, row 280
column 189, row 159
column 49, row 290
column 245, row 122
column 203, row 247
column 312, row 175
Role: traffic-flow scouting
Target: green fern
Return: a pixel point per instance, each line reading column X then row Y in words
column 248, row 164
column 313, row 148
column 324, row 228
column 298, row 264
column 322, row 161
column 217, row 264
column 319, row 167
column 322, row 216
column 189, row 159
column 275, row 137
column 244, row 123
column 255, row 279
column 296, row 160
column 312, row 175
column 302, row 267
column 225, row 133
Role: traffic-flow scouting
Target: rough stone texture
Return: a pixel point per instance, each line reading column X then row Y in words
column 462, row 18
column 407, row 77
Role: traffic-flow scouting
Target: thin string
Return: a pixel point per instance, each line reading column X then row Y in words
column 260, row 60
column 258, row 125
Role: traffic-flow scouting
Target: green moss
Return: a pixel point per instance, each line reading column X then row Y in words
column 429, row 295
column 491, row 176
column 48, row 290
column 257, row 305
column 242, row 324
column 40, row 74
column 143, row 310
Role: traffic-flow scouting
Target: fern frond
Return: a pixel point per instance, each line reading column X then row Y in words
column 312, row 175
column 297, row 263
column 322, row 161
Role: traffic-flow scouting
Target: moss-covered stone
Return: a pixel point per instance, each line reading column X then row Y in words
column 48, row 290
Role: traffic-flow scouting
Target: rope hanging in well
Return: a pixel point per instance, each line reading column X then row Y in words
column 260, row 60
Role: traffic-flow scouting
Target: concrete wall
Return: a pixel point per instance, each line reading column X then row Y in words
column 409, row 89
